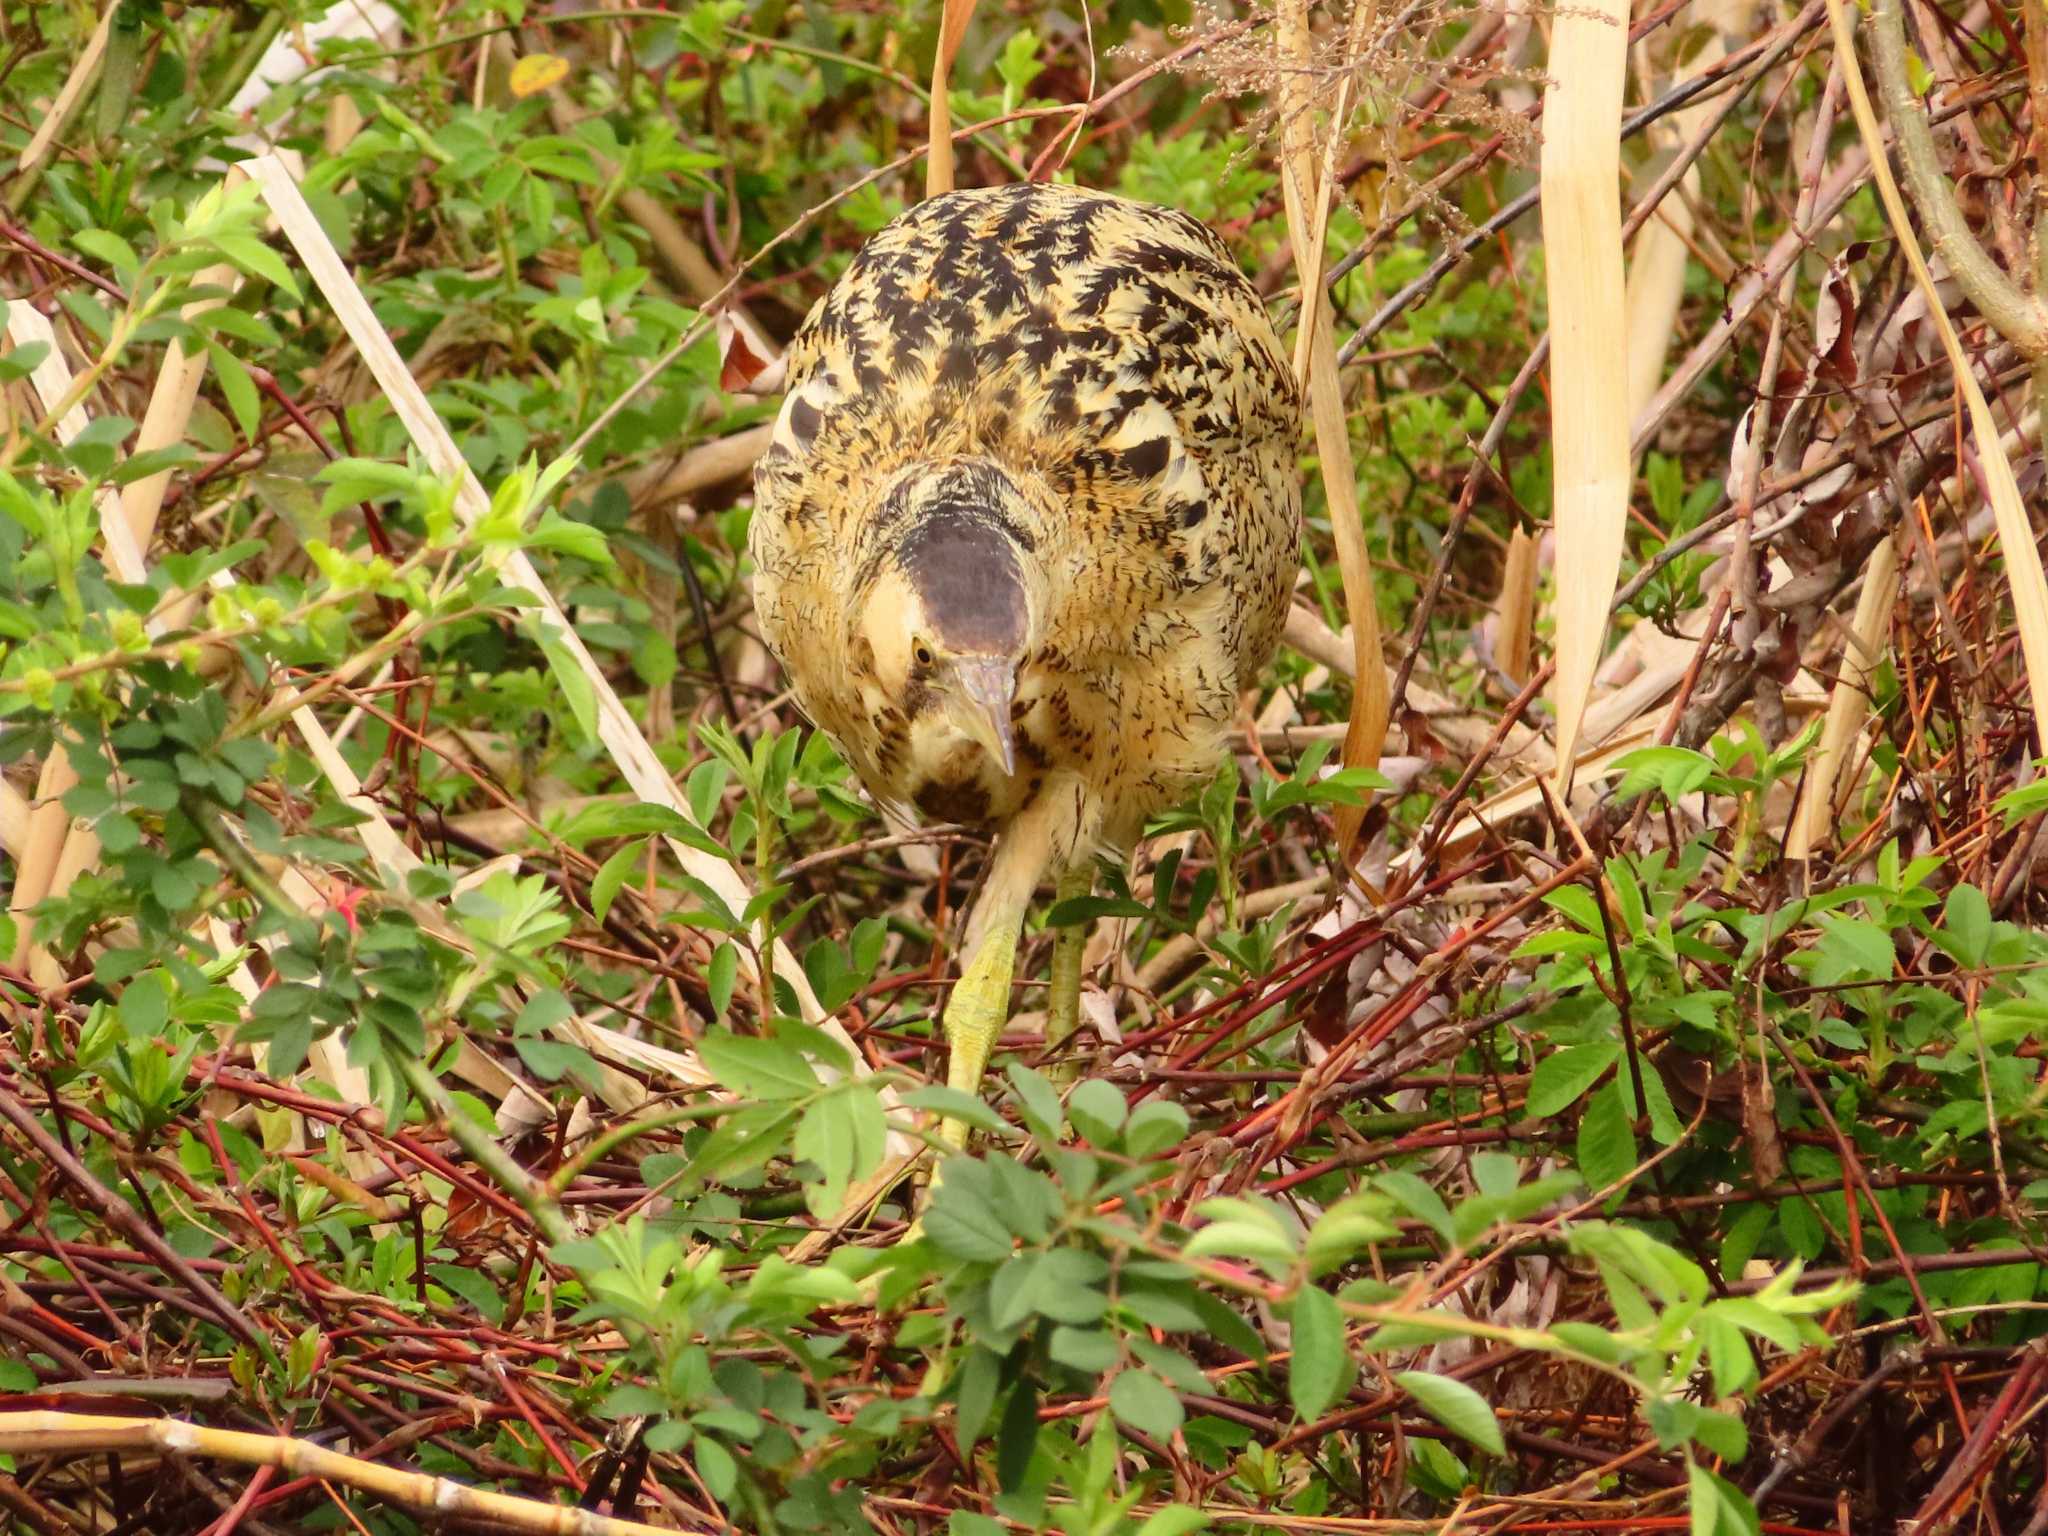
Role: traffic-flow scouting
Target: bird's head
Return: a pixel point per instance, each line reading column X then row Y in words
column 949, row 600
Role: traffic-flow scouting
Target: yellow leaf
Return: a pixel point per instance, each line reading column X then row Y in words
column 537, row 72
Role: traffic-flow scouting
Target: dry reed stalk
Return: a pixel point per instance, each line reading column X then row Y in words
column 74, row 86
column 14, row 812
column 1581, row 205
column 163, row 422
column 1656, row 269
column 1869, row 632
column 1514, row 639
column 938, row 165
column 85, row 1434
column 2015, row 530
column 42, row 840
column 1307, row 197
column 629, row 750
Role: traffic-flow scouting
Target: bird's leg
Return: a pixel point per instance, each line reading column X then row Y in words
column 980, row 1003
column 981, row 998
column 1069, row 946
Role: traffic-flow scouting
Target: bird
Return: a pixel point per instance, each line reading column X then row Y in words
column 1024, row 533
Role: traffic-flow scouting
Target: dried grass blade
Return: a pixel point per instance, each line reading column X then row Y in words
column 1868, row 632
column 1581, row 202
column 59, row 112
column 2015, row 531
column 622, row 739
column 1514, row 639
column 938, row 163
column 1306, row 198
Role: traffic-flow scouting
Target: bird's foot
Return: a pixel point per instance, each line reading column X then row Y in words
column 975, row 1013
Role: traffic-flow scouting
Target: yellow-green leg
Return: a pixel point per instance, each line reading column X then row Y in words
column 975, row 1013
column 1069, row 948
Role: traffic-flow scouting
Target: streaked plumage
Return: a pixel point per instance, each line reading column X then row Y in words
column 1040, row 430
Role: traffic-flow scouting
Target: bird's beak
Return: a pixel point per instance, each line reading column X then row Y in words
column 988, row 684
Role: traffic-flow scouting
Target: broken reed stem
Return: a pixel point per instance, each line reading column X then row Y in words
column 1316, row 361
column 938, row 165
column 85, row 1434
column 1868, row 632
column 622, row 739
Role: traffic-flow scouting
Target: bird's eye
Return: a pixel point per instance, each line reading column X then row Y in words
column 923, row 654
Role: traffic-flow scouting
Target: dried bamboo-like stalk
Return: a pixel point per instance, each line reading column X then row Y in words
column 1656, row 269
column 85, row 1434
column 1307, row 197
column 938, row 163
column 2015, row 531
column 622, row 739
column 1581, row 202
column 68, row 95
column 1868, row 633
column 1514, row 640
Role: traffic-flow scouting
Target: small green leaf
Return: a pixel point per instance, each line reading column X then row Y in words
column 1967, row 920
column 760, row 1069
column 1320, row 1365
column 1097, row 1110
column 611, row 875
column 1455, row 1406
column 720, row 975
column 1607, row 1138
column 1562, row 1076
column 1147, row 1404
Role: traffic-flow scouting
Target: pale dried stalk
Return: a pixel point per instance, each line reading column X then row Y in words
column 60, row 110
column 85, row 1434
column 2015, row 532
column 43, row 839
column 127, row 523
column 14, row 813
column 1656, row 269
column 938, row 165
column 1581, row 203
column 1869, row 632
column 163, row 423
column 1514, row 639
column 1307, row 197
column 622, row 739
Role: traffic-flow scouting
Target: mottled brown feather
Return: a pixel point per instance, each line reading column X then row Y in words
column 1112, row 362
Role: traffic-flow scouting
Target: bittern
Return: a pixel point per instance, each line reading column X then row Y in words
column 1024, row 534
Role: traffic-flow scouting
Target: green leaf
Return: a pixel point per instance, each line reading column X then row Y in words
column 1562, row 1076
column 1967, row 920
column 1147, row 1404
column 759, row 1069
column 1455, row 1406
column 1174, row 1520
column 955, row 1105
column 473, row 1286
column 844, row 1134
column 962, row 1219
column 1320, row 1365
column 1607, row 1138
column 258, row 260
column 1154, row 1126
column 239, row 389
column 611, row 875
column 1097, row 1110
column 720, row 975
